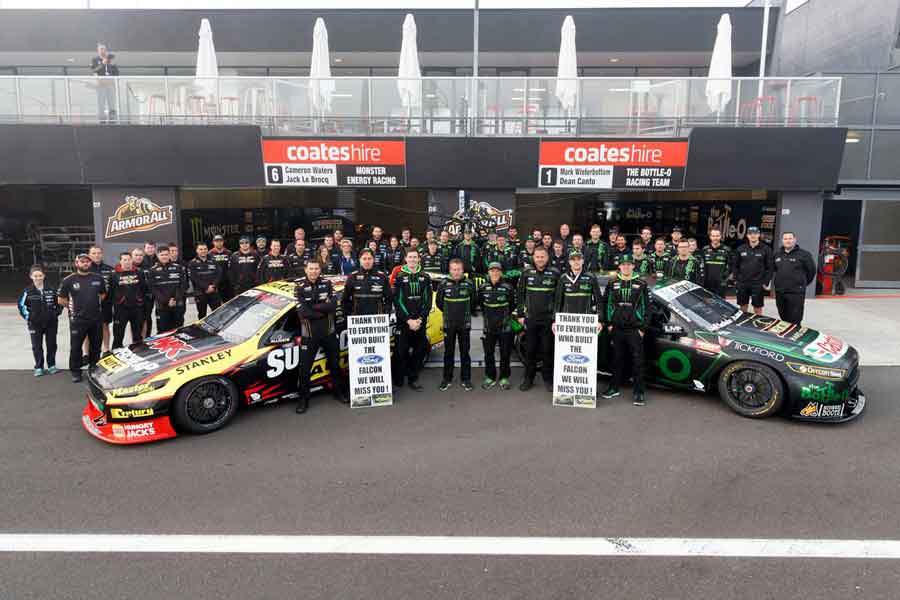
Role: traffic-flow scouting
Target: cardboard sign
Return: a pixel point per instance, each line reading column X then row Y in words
column 334, row 163
column 575, row 371
column 369, row 339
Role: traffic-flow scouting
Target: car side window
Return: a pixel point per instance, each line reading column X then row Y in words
column 283, row 331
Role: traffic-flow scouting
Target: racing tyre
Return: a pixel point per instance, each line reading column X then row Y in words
column 205, row 405
column 751, row 389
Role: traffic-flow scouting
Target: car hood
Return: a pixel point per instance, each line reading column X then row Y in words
column 155, row 357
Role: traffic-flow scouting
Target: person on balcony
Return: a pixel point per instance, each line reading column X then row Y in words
column 102, row 66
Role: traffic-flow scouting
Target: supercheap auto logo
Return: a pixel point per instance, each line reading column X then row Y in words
column 137, row 214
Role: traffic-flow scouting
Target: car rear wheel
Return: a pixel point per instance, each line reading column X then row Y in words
column 751, row 389
column 205, row 405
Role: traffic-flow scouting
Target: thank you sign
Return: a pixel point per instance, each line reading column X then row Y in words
column 369, row 338
column 575, row 371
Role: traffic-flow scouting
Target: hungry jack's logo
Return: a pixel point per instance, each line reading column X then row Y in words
column 170, row 346
column 137, row 214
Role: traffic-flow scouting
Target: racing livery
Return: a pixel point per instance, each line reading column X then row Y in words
column 193, row 379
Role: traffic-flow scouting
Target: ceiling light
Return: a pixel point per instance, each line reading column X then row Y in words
column 614, row 60
column 338, row 60
column 851, row 140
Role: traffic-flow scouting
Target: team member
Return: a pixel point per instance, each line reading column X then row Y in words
column 83, row 292
column 333, row 250
column 326, row 260
column 502, row 253
column 659, row 260
column 577, row 290
column 684, row 266
column 565, row 233
column 39, row 307
column 446, row 246
column 150, row 254
column 412, row 303
column 378, row 238
column 433, row 261
column 297, row 259
column 642, row 263
column 597, row 257
column 185, row 281
column 347, row 263
column 512, row 239
column 378, row 255
column 456, row 298
column 261, row 245
column 467, row 252
column 300, row 234
column 105, row 271
column 647, row 238
column 496, row 301
column 717, row 259
column 612, row 236
column 534, row 308
column 752, row 271
column 274, row 265
column 405, row 235
column 338, row 238
column 142, row 265
column 205, row 275
column 619, row 249
column 167, row 283
column 794, row 270
column 366, row 291
column 395, row 252
column 625, row 316
column 672, row 248
column 219, row 254
column 242, row 266
column 526, row 256
column 128, row 292
column 316, row 306
column 559, row 258
column 547, row 243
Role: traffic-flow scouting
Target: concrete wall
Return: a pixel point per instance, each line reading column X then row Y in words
column 801, row 212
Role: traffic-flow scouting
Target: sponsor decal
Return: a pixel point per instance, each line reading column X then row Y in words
column 818, row 372
column 90, row 425
column 170, row 346
column 675, row 365
column 826, row 348
column 332, row 163
column 764, row 352
column 670, row 292
column 707, row 347
column 132, row 390
column 281, row 360
column 824, row 411
column 760, row 322
column 130, row 413
column 133, row 360
column 130, row 431
column 110, row 363
column 137, row 214
column 205, row 361
column 798, row 334
column 576, row 359
column 824, row 393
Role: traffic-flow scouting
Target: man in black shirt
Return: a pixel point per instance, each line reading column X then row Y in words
column 242, row 266
column 456, row 298
column 168, row 285
column 534, row 307
column 175, row 259
column 83, row 293
column 102, row 66
column 205, row 275
column 752, row 271
column 718, row 259
column 625, row 315
column 497, row 301
column 367, row 290
column 127, row 291
column 220, row 255
column 794, row 270
column 106, row 309
column 274, row 265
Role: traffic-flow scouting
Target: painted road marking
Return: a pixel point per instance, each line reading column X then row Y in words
column 452, row 545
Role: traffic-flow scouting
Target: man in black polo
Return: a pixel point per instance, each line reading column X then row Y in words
column 242, row 267
column 794, row 270
column 205, row 275
column 752, row 271
column 83, row 293
column 168, row 285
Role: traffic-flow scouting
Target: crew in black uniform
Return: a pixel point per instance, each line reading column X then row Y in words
column 104, row 270
column 142, row 263
column 366, row 291
column 166, row 281
column 39, row 307
column 316, row 306
column 597, row 257
column 378, row 237
column 433, row 261
column 659, row 259
column 128, row 291
column 642, row 263
column 534, row 302
column 496, row 301
column 242, row 268
column 83, row 292
column 794, row 271
column 297, row 259
column 526, row 256
column 395, row 252
column 684, row 267
column 205, row 275
column 467, row 251
column 274, row 265
column 220, row 255
column 456, row 298
column 412, row 303
column 718, row 259
column 185, row 283
column 559, row 259
column 577, row 290
column 752, row 271
column 625, row 315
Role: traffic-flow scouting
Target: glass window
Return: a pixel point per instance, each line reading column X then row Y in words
column 142, row 71
column 698, row 305
column 856, row 153
column 880, row 223
column 888, row 99
column 289, row 71
column 243, row 317
column 181, row 71
column 242, row 71
column 608, row 72
column 663, row 72
column 857, row 98
column 886, row 155
column 41, row 71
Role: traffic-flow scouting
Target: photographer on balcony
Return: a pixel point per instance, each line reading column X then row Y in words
column 102, row 66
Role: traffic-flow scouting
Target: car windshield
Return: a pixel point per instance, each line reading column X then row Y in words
column 698, row 305
column 244, row 316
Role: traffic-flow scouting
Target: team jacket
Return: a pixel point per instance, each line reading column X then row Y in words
column 497, row 303
column 273, row 268
column 316, row 305
column 412, row 295
column 242, row 270
column 457, row 300
column 599, row 255
column 506, row 258
column 296, row 265
column 561, row 262
column 612, row 260
column 577, row 294
column 753, row 265
column 516, row 246
column 718, row 262
column 203, row 273
column 366, row 293
column 627, row 303
column 221, row 260
column 39, row 307
column 469, row 254
column 381, row 244
column 794, row 270
column 642, row 265
column 447, row 250
column 105, row 271
column 536, row 292
column 167, row 282
column 434, row 263
column 127, row 289
column 526, row 260
column 689, row 270
column 394, row 256
column 657, row 263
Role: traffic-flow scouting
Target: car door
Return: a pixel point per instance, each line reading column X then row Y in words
column 670, row 349
column 276, row 367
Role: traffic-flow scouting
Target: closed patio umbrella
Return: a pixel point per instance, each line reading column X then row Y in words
column 718, row 84
column 207, row 65
column 409, row 83
column 321, row 86
column 567, row 70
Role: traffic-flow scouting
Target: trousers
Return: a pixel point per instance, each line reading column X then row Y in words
column 490, row 341
column 213, row 301
column 409, row 353
column 453, row 335
column 309, row 347
column 538, row 347
column 790, row 306
column 628, row 344
column 38, row 334
column 79, row 329
column 123, row 317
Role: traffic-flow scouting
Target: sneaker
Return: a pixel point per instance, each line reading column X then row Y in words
column 638, row 400
column 488, row 383
column 52, row 371
column 504, row 384
column 610, row 392
column 525, row 385
column 445, row 385
column 76, row 377
column 415, row 386
column 467, row 385
column 39, row 372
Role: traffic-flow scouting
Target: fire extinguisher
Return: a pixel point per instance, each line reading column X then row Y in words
column 834, row 260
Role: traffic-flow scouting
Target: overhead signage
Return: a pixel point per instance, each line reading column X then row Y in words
column 612, row 164
column 334, row 163
column 575, row 371
column 369, row 339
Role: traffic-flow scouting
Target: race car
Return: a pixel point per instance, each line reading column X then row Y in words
column 193, row 379
column 760, row 366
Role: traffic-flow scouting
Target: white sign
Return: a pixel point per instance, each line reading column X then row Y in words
column 575, row 371
column 302, row 175
column 369, row 338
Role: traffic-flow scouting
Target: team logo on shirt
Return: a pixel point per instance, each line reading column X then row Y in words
column 136, row 215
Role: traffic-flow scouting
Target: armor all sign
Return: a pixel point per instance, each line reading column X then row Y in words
column 125, row 218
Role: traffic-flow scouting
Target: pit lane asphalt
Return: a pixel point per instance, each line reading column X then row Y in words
column 453, row 463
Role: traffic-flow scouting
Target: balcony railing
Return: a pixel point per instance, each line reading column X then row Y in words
column 438, row 106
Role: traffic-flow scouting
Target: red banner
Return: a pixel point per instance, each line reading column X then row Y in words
column 334, row 152
column 625, row 153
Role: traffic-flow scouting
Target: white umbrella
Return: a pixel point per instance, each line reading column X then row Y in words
column 718, row 84
column 321, row 86
column 409, row 83
column 567, row 70
column 207, row 65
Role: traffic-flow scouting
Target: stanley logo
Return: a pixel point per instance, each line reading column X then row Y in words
column 137, row 214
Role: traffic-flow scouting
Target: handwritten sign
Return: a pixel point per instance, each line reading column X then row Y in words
column 369, row 339
column 575, row 372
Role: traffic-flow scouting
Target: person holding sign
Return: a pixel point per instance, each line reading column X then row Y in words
column 497, row 301
column 367, row 291
column 627, row 304
column 412, row 303
column 534, row 301
column 577, row 291
column 456, row 298
column 316, row 306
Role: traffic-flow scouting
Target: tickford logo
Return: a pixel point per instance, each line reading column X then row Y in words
column 137, row 214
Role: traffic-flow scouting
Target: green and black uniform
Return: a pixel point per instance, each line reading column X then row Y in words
column 627, row 303
column 597, row 257
column 659, row 264
column 412, row 300
column 507, row 259
column 469, row 254
column 456, row 299
column 719, row 260
column 578, row 294
column 434, row 263
column 534, row 302
column 684, row 270
column 497, row 303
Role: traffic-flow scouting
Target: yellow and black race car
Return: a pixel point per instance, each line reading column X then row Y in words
column 193, row 379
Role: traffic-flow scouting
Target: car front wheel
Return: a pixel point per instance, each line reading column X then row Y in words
column 751, row 389
column 205, row 405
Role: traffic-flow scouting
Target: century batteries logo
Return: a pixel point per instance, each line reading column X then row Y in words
column 137, row 214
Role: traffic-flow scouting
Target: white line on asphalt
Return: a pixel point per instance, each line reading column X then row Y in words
column 451, row 545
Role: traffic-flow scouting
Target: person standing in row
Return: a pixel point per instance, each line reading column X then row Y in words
column 433, row 261
column 128, row 291
column 659, row 260
column 348, row 263
column 105, row 271
column 467, row 252
column 242, row 267
column 39, row 307
column 627, row 304
column 82, row 293
column 140, row 263
column 274, row 265
column 367, row 290
column 220, row 255
column 174, row 259
column 597, row 255
column 456, row 298
column 412, row 303
column 534, row 308
column 496, row 301
column 794, row 271
column 752, row 271
column 718, row 259
column 205, row 276
column 326, row 261
column 684, row 266
column 167, row 284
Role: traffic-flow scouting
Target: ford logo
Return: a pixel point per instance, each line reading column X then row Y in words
column 575, row 359
column 369, row 359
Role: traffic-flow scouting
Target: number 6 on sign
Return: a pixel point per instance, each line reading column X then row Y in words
column 575, row 371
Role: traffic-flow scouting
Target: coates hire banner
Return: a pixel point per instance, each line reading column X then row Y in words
column 333, row 163
column 613, row 164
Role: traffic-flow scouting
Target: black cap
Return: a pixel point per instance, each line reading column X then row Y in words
column 575, row 253
column 626, row 258
column 676, row 228
column 753, row 229
column 495, row 265
column 244, row 239
column 81, row 255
